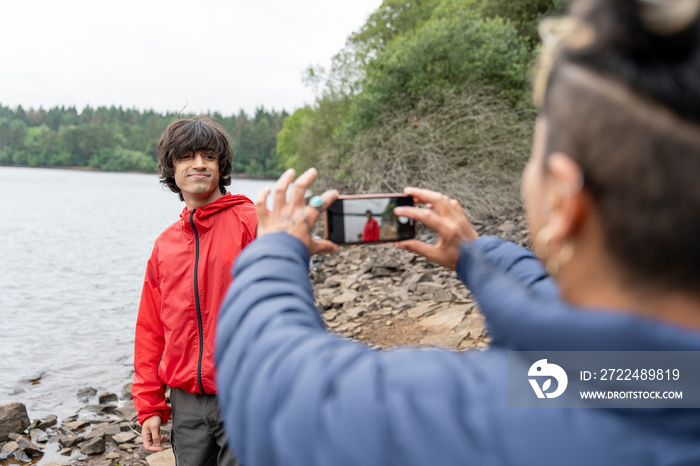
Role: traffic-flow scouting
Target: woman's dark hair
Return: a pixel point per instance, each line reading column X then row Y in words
column 623, row 99
column 189, row 136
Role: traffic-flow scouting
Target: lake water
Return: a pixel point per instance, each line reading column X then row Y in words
column 73, row 252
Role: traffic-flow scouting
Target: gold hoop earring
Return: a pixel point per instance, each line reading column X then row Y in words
column 552, row 261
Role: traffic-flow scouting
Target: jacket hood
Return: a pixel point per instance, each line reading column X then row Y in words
column 201, row 216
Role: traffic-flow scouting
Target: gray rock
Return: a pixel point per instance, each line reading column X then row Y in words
column 346, row 297
column 68, row 441
column 84, row 394
column 124, row 437
column 107, row 398
column 126, row 392
column 75, row 425
column 13, row 418
column 97, row 409
column 8, row 449
column 22, row 456
column 28, row 447
column 127, row 412
column 48, row 421
column 102, row 430
column 39, row 435
column 93, row 446
column 162, row 458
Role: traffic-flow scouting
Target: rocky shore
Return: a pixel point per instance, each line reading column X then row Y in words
column 376, row 294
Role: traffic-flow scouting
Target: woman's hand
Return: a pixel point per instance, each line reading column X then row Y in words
column 293, row 216
column 446, row 218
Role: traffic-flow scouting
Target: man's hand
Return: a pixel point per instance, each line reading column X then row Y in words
column 446, row 218
column 150, row 433
column 292, row 215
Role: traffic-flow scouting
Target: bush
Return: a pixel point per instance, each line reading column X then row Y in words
column 467, row 143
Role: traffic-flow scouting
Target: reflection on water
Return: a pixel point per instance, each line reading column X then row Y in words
column 73, row 251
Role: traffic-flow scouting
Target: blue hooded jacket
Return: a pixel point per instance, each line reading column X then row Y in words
column 293, row 394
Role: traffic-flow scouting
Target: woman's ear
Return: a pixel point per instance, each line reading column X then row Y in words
column 569, row 202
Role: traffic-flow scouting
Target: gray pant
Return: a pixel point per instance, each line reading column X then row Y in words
column 198, row 435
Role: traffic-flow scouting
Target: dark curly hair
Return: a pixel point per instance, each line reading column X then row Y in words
column 192, row 135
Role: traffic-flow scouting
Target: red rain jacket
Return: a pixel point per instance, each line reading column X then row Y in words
column 186, row 279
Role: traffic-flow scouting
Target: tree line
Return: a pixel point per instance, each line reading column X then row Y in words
column 430, row 93
column 117, row 139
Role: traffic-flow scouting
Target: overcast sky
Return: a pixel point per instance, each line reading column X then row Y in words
column 205, row 55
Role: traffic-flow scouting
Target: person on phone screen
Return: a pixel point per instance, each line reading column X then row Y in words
column 186, row 279
column 613, row 211
column 371, row 231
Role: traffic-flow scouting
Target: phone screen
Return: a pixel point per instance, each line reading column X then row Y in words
column 368, row 219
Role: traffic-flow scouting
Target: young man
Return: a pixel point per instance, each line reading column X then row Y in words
column 371, row 231
column 186, row 278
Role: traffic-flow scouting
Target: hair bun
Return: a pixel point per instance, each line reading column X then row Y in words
column 666, row 17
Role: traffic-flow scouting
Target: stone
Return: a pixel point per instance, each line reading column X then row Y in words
column 84, row 394
column 162, row 458
column 127, row 411
column 355, row 312
column 22, row 456
column 107, row 398
column 124, row 437
column 444, row 321
column 75, row 425
column 112, row 455
column 93, row 446
column 13, row 418
column 102, row 431
column 68, row 441
column 506, row 227
column 347, row 296
column 49, row 421
column 126, row 426
column 57, row 463
column 126, row 392
column 443, row 296
column 8, row 449
column 420, row 310
column 429, row 288
column 473, row 326
column 28, row 447
column 39, row 435
column 97, row 409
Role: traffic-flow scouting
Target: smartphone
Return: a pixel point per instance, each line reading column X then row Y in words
column 368, row 218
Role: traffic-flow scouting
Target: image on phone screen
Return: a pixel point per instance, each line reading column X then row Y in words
column 368, row 219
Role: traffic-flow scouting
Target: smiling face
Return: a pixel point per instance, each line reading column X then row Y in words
column 197, row 176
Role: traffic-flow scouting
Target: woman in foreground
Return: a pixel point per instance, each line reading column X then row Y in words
column 614, row 213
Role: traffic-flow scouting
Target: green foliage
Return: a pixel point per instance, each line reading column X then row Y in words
column 525, row 14
column 453, row 48
column 115, row 139
column 380, row 117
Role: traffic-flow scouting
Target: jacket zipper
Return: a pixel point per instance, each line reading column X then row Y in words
column 199, row 309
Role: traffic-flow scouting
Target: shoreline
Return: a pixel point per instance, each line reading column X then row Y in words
column 376, row 294
column 241, row 176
